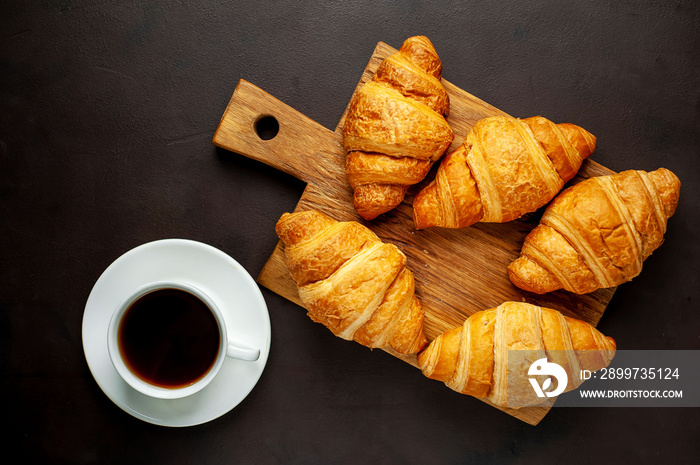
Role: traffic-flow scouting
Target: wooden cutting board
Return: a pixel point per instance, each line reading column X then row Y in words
column 457, row 272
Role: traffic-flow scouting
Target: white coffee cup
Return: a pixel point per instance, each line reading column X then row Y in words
column 227, row 346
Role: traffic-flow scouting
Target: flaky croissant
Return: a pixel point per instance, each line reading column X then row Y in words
column 597, row 233
column 506, row 167
column 395, row 127
column 478, row 357
column 352, row 282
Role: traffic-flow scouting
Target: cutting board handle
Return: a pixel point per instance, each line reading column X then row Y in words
column 300, row 146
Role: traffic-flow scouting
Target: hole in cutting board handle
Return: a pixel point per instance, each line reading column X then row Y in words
column 267, row 127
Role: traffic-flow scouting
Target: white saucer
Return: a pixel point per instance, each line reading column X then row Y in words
column 215, row 273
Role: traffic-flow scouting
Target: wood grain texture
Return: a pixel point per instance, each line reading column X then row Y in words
column 457, row 272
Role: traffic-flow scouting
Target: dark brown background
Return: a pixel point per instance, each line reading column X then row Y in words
column 107, row 110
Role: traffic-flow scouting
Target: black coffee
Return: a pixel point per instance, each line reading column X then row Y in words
column 169, row 338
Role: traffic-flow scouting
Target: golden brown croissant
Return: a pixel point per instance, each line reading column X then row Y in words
column 352, row 282
column 506, row 167
column 597, row 233
column 478, row 357
column 395, row 127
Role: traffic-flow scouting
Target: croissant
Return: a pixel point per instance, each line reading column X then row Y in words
column 395, row 128
column 480, row 357
column 597, row 233
column 352, row 282
column 506, row 167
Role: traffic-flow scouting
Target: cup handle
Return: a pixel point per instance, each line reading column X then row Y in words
column 242, row 352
